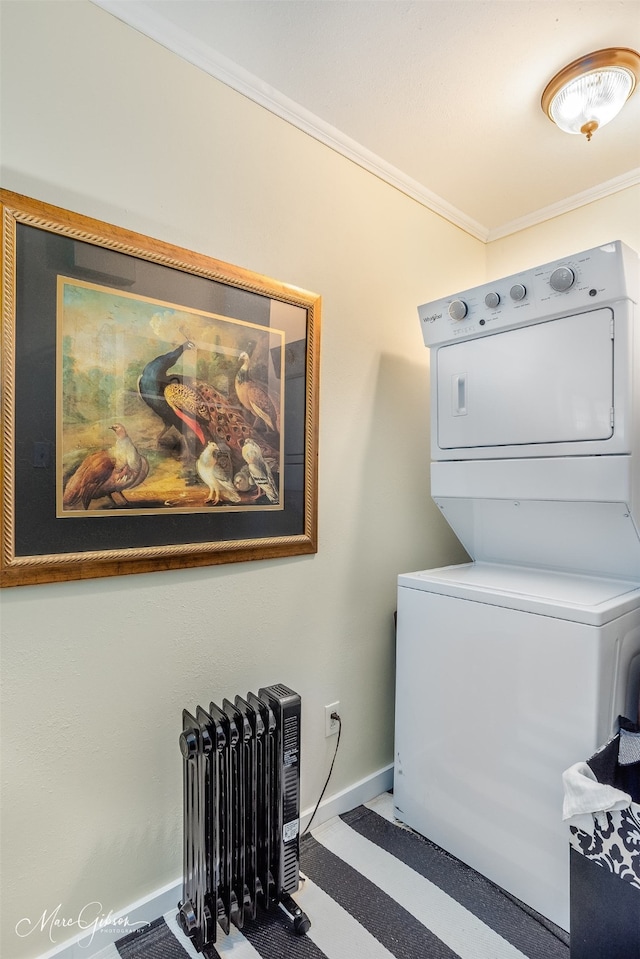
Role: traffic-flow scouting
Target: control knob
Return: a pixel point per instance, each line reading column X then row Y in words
column 562, row 279
column 518, row 292
column 457, row 309
column 492, row 300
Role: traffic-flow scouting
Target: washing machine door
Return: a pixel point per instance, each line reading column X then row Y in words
column 552, row 382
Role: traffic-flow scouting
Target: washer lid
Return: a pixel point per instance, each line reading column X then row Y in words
column 582, row 599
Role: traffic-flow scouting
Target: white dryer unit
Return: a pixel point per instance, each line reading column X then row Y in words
column 535, row 412
column 515, row 666
column 539, row 363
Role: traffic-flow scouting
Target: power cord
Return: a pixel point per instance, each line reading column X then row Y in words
column 336, row 717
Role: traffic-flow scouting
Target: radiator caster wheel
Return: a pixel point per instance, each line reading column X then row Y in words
column 299, row 919
column 301, row 923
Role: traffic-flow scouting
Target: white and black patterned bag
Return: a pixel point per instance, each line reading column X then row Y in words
column 602, row 805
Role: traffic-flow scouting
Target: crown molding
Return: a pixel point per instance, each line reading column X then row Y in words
column 199, row 54
column 566, row 205
column 136, row 14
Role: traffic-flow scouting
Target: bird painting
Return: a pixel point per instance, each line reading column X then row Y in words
column 106, row 473
column 195, row 409
column 255, row 398
column 214, row 469
column 259, row 471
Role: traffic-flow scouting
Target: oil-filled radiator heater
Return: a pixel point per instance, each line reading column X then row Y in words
column 241, row 772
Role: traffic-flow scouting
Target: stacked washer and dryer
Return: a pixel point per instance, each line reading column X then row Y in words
column 515, row 666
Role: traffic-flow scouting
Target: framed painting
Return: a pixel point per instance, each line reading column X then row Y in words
column 159, row 407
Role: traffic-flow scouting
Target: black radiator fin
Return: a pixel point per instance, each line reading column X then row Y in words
column 241, row 771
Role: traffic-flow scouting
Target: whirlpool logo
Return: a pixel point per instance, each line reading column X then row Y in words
column 432, row 318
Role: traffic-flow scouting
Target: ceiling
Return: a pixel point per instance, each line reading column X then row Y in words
column 441, row 98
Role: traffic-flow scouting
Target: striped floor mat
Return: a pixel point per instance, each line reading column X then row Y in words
column 375, row 890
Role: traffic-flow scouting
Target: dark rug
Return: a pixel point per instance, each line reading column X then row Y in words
column 375, row 890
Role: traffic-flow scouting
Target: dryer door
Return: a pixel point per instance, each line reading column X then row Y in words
column 547, row 383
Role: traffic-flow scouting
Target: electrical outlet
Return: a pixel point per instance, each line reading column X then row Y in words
column 331, row 726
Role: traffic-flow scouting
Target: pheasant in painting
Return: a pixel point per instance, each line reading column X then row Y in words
column 107, row 472
column 255, row 398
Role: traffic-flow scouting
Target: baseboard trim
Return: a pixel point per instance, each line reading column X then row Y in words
column 100, row 938
column 354, row 795
column 96, row 942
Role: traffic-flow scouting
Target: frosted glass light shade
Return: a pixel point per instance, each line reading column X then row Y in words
column 596, row 97
column 591, row 91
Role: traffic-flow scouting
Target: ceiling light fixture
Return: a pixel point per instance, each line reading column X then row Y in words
column 591, row 91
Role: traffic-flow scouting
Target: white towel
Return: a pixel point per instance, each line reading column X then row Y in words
column 586, row 800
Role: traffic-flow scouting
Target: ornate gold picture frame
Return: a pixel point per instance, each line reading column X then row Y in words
column 159, row 407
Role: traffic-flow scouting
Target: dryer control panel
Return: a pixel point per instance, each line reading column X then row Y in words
column 584, row 281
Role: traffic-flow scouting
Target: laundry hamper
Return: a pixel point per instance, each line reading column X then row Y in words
column 602, row 806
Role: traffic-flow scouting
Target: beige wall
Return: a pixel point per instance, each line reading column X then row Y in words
column 615, row 217
column 102, row 121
